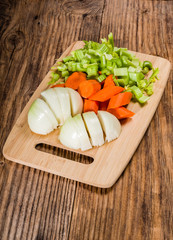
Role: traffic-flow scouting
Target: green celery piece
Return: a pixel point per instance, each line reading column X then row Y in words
column 138, row 69
column 74, row 67
column 103, row 48
column 149, row 89
column 136, row 91
column 118, row 62
column 111, row 39
column 123, row 81
column 65, row 73
column 106, row 71
column 68, row 58
column 79, row 67
column 109, row 64
column 125, row 52
column 84, row 61
column 120, row 72
column 79, row 55
column 135, row 61
column 143, row 99
column 115, row 81
column 92, row 70
column 108, row 56
column 131, row 69
column 101, row 77
column 102, row 61
column 62, row 67
column 142, row 83
column 154, row 74
column 136, row 76
column 69, row 65
column 55, row 78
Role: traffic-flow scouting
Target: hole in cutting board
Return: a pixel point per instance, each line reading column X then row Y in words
column 77, row 157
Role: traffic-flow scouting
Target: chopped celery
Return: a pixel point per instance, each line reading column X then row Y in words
column 136, row 76
column 120, row 72
column 108, row 59
column 101, row 77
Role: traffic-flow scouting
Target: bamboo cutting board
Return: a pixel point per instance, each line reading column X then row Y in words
column 109, row 160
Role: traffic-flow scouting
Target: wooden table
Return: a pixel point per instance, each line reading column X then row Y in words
column 38, row 205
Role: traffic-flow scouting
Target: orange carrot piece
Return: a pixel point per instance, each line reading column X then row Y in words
column 74, row 80
column 106, row 93
column 90, row 105
column 88, row 88
column 58, row 85
column 103, row 105
column 109, row 81
column 99, row 72
column 120, row 99
column 121, row 112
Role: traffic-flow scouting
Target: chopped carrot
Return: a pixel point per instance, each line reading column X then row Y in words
column 74, row 80
column 90, row 105
column 121, row 112
column 103, row 105
column 88, row 88
column 99, row 72
column 120, row 99
column 58, row 85
column 106, row 93
column 109, row 81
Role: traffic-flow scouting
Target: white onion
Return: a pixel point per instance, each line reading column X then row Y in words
column 73, row 134
column 110, row 125
column 64, row 100
column 76, row 101
column 94, row 128
column 51, row 98
column 69, row 136
column 41, row 120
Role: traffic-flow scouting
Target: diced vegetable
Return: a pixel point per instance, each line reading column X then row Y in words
column 109, row 81
column 90, row 105
column 119, row 100
column 88, row 88
column 74, row 80
column 121, row 112
column 103, row 105
column 106, row 93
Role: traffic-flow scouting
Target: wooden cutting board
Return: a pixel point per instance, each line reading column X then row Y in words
column 109, row 160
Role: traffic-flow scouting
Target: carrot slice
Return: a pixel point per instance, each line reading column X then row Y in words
column 74, row 80
column 103, row 105
column 121, row 112
column 90, row 105
column 109, row 81
column 88, row 88
column 106, row 93
column 120, row 99
column 58, row 85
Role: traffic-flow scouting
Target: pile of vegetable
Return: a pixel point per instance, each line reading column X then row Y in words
column 99, row 60
column 89, row 91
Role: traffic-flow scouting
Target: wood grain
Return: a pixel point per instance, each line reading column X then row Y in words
column 37, row 205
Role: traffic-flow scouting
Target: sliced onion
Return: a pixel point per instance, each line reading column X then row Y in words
column 83, row 135
column 69, row 136
column 64, row 100
column 76, row 101
column 94, row 128
column 110, row 125
column 41, row 120
column 52, row 100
